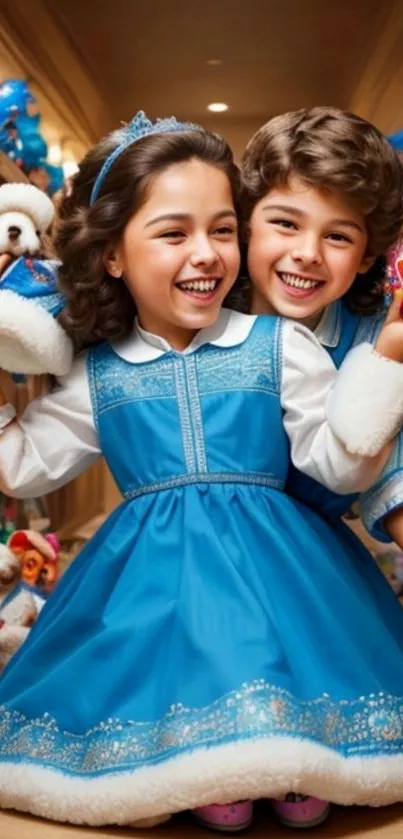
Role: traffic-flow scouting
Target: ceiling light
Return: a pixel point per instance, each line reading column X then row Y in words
column 214, row 62
column 217, row 107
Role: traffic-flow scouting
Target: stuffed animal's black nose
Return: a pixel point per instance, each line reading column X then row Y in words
column 14, row 233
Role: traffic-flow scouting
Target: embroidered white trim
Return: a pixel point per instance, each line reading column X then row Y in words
column 7, row 415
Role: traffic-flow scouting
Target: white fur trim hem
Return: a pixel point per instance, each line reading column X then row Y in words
column 31, row 340
column 366, row 405
column 253, row 769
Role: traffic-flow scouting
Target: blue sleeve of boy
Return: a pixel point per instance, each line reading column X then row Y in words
column 385, row 496
column 314, row 495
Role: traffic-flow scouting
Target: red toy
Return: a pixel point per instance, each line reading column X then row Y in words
column 39, row 557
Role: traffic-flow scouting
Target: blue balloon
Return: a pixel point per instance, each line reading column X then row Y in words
column 56, row 177
column 15, row 97
column 10, row 143
column 26, row 124
column 34, row 149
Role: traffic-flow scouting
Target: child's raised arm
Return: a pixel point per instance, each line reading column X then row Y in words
column 54, row 440
column 340, row 424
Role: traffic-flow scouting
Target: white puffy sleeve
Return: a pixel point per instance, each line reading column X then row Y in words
column 314, row 405
column 53, row 441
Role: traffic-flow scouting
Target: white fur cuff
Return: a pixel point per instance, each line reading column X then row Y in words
column 365, row 408
column 31, row 340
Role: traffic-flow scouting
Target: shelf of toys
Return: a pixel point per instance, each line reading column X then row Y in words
column 65, row 510
column 23, row 158
column 17, row 514
column 22, row 514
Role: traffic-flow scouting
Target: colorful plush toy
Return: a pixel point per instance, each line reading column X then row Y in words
column 28, row 574
column 38, row 556
column 394, row 271
column 31, row 339
column 18, row 607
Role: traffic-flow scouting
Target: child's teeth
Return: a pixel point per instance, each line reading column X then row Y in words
column 298, row 282
column 200, row 285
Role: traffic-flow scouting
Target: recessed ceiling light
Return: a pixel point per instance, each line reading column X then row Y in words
column 217, row 107
column 214, row 62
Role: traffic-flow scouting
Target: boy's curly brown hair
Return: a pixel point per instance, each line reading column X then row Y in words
column 100, row 307
column 342, row 153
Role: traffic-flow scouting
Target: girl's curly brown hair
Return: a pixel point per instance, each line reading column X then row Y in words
column 99, row 307
column 339, row 152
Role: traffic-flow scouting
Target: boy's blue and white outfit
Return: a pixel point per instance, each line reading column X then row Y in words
column 339, row 331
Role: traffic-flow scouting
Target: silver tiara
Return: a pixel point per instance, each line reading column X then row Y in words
column 140, row 126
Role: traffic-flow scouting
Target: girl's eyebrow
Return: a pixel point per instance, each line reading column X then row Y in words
column 186, row 216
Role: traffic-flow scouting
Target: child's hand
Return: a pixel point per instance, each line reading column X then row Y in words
column 394, row 526
column 390, row 339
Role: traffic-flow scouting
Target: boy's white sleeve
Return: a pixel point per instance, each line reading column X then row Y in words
column 313, row 404
column 52, row 442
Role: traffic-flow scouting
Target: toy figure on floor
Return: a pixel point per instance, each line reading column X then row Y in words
column 28, row 574
column 18, row 609
column 174, row 663
column 38, row 556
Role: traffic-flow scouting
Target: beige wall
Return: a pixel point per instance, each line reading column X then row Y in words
column 378, row 95
column 237, row 133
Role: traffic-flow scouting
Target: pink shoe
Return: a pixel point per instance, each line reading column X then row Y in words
column 300, row 810
column 226, row 818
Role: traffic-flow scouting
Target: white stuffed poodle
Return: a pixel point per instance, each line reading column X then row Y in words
column 26, row 213
column 32, row 340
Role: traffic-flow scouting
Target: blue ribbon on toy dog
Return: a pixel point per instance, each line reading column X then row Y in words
column 31, row 339
column 35, row 279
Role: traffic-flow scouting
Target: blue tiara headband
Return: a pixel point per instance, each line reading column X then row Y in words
column 139, row 127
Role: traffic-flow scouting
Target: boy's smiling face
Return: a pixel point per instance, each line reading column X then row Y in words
column 305, row 248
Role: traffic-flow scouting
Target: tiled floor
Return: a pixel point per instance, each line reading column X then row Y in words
column 343, row 824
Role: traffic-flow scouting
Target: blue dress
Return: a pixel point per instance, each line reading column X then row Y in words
column 215, row 639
